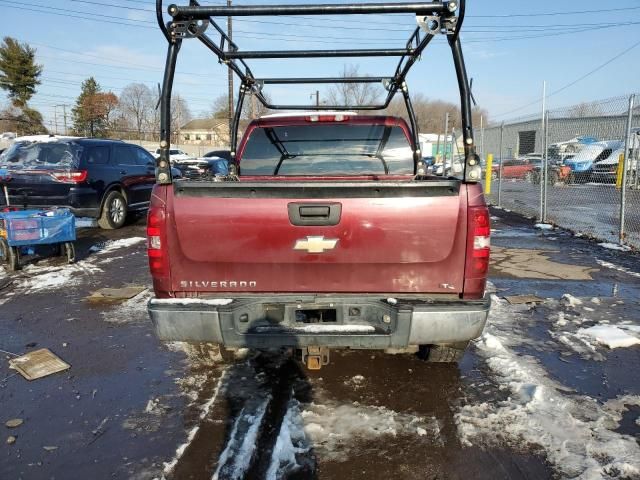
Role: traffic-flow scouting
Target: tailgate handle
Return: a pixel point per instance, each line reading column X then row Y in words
column 320, row 211
column 314, row 214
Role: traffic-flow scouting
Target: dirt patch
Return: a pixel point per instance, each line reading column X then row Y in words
column 528, row 263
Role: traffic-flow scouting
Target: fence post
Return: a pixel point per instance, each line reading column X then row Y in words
column 481, row 136
column 488, row 174
column 545, row 165
column 543, row 177
column 500, row 167
column 623, row 190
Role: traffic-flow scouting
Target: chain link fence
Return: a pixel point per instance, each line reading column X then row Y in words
column 577, row 169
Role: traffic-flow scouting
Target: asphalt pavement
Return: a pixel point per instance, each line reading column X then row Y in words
column 540, row 395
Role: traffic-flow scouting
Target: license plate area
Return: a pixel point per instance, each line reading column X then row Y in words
column 318, row 315
column 374, row 317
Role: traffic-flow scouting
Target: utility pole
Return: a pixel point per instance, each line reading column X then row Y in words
column 64, row 113
column 446, row 134
column 230, row 74
column 317, row 96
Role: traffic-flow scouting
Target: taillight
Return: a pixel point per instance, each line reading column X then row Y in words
column 478, row 250
column 327, row 118
column 156, row 242
column 72, row 176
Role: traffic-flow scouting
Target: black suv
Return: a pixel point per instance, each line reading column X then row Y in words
column 103, row 179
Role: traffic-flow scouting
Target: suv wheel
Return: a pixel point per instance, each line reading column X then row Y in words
column 114, row 211
column 449, row 353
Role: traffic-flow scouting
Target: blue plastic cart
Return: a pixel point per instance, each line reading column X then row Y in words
column 22, row 230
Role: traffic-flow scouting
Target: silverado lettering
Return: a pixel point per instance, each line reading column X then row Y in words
column 216, row 284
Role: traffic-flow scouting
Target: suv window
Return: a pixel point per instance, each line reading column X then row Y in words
column 124, row 155
column 97, row 155
column 329, row 149
column 42, row 154
column 143, row 157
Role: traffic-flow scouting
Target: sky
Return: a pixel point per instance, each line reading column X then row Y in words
column 510, row 46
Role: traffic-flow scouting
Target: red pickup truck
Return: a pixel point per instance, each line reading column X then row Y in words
column 326, row 240
column 326, row 231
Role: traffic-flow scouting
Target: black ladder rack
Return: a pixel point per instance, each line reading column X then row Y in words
column 434, row 18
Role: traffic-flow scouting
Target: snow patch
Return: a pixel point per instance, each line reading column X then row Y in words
column 291, row 442
column 318, row 328
column 49, row 278
column 610, row 336
column 191, row 301
column 235, row 459
column 613, row 266
column 332, row 427
column 131, row 310
column 615, row 246
column 204, row 412
column 356, row 382
column 570, row 301
column 543, row 226
column 576, row 431
column 111, row 245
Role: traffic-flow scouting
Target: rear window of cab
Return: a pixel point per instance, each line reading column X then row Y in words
column 327, row 149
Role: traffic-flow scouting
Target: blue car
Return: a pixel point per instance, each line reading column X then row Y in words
column 583, row 162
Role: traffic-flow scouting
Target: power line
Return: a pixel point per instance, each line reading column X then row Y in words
column 284, row 36
column 572, row 83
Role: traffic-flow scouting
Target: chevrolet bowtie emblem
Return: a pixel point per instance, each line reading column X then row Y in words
column 316, row 244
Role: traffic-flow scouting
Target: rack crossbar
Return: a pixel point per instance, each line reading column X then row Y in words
column 203, row 12
column 393, row 52
column 311, row 80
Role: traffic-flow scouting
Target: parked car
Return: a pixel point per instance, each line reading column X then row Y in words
column 606, row 170
column 103, row 179
column 327, row 240
column 176, row 155
column 556, row 173
column 581, row 163
column 518, row 168
column 204, row 167
column 226, row 154
column 7, row 136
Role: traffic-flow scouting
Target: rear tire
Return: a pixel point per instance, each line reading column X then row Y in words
column 553, row 178
column 448, row 353
column 114, row 211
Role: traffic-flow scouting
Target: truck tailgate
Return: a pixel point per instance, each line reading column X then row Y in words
column 388, row 237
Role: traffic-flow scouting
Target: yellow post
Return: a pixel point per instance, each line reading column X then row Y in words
column 487, row 174
column 620, row 171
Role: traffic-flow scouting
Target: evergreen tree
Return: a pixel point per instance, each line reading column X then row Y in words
column 92, row 110
column 19, row 73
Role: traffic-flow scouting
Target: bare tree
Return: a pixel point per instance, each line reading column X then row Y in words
column 430, row 114
column 356, row 94
column 136, row 105
column 180, row 114
column 251, row 108
column 585, row 110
